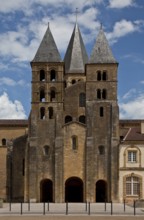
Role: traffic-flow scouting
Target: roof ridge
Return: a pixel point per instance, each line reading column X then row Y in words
column 127, row 134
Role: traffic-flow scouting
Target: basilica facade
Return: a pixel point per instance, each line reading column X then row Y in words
column 73, row 147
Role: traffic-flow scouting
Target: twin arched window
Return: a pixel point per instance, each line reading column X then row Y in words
column 43, row 114
column 101, row 94
column 43, row 75
column 101, row 75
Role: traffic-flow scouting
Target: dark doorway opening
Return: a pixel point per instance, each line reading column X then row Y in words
column 74, row 190
column 101, row 191
column 46, row 187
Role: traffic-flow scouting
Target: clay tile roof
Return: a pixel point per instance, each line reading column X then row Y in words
column 13, row 122
column 134, row 134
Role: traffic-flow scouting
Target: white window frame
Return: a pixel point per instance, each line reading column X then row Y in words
column 132, row 156
column 132, row 186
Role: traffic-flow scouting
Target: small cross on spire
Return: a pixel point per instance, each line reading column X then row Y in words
column 76, row 14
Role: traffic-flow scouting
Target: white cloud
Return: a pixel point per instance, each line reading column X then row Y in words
column 14, row 5
column 10, row 82
column 121, row 3
column 9, row 109
column 129, row 94
column 132, row 109
column 27, row 6
column 122, row 28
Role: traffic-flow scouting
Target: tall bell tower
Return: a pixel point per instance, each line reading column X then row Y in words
column 45, row 123
column 102, row 112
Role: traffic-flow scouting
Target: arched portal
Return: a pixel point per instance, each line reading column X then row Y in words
column 46, row 190
column 74, row 190
column 101, row 191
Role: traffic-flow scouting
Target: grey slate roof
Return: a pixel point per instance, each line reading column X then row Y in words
column 76, row 55
column 101, row 52
column 47, row 51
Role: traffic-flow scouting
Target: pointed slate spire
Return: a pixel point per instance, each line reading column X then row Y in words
column 101, row 52
column 76, row 56
column 47, row 51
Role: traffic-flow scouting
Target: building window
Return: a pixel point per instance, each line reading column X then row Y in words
column 46, row 150
column 42, row 113
column 3, row 141
column 74, row 142
column 101, row 150
column 98, row 94
column 68, row 119
column 42, row 95
column 82, row 119
column 98, row 75
column 73, row 81
column 52, row 75
column 82, row 99
column 52, row 95
column 104, row 94
column 42, row 75
column 104, row 76
column 132, row 186
column 132, row 156
column 50, row 109
column 101, row 111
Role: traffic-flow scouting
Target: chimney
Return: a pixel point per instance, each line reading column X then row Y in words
column 142, row 127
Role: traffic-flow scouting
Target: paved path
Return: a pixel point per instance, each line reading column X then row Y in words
column 72, row 211
column 71, row 218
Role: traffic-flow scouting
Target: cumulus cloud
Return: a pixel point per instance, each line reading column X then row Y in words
column 132, row 104
column 10, row 82
column 121, row 3
column 9, row 109
column 122, row 28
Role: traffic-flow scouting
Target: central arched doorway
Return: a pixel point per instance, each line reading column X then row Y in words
column 46, row 190
column 101, row 191
column 74, row 190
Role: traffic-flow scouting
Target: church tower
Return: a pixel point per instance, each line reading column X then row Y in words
column 45, row 124
column 102, row 113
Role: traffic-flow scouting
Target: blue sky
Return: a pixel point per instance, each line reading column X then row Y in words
column 24, row 22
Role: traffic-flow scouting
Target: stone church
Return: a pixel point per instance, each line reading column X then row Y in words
column 69, row 149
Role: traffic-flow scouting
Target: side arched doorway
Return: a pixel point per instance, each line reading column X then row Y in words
column 74, row 190
column 46, row 190
column 101, row 191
